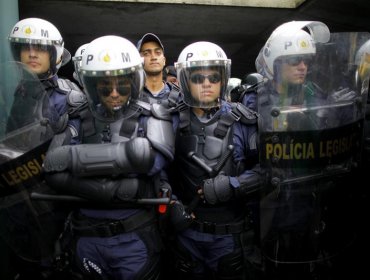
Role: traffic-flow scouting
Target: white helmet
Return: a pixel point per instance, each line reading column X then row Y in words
column 289, row 39
column 202, row 55
column 38, row 31
column 233, row 84
column 77, row 61
column 110, row 56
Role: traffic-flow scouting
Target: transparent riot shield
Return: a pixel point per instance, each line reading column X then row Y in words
column 310, row 138
column 27, row 227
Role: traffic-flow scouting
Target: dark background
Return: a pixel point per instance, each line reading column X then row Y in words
column 240, row 31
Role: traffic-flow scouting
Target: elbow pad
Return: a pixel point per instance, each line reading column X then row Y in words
column 134, row 156
column 94, row 190
column 162, row 137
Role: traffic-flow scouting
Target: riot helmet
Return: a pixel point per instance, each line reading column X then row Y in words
column 77, row 61
column 203, row 56
column 42, row 35
column 112, row 75
column 233, row 89
column 295, row 40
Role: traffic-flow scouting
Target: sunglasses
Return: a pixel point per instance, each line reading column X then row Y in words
column 296, row 60
column 123, row 90
column 200, row 78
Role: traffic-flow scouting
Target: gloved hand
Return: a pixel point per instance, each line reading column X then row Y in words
column 342, row 95
column 217, row 189
column 179, row 218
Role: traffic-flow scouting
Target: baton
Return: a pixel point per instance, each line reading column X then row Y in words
column 72, row 198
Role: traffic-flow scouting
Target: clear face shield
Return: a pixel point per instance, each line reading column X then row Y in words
column 204, row 84
column 38, row 57
column 109, row 96
column 43, row 58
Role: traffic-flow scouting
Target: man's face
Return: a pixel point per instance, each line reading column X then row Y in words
column 205, row 85
column 114, row 92
column 294, row 69
column 154, row 60
column 36, row 57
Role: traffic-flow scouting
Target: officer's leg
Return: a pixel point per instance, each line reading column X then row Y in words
column 231, row 266
column 152, row 239
column 182, row 263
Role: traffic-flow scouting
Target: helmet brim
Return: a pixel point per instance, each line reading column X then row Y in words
column 66, row 57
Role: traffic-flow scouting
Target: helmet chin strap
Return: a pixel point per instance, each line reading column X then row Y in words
column 209, row 112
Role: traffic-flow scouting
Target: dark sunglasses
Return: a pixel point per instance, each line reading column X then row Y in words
column 296, row 60
column 123, row 90
column 200, row 78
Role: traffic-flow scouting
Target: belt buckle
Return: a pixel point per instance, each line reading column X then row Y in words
column 116, row 227
column 208, row 227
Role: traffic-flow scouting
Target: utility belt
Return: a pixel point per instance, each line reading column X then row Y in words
column 213, row 228
column 82, row 226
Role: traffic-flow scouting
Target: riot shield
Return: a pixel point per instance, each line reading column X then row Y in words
column 310, row 137
column 27, row 227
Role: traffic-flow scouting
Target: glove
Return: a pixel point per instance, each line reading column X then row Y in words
column 217, row 189
column 342, row 95
column 127, row 189
column 179, row 218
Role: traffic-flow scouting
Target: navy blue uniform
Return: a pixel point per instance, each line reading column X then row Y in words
column 220, row 238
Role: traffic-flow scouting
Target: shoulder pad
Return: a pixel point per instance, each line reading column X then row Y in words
column 174, row 96
column 143, row 105
column 161, row 111
column 247, row 116
column 65, row 85
column 76, row 98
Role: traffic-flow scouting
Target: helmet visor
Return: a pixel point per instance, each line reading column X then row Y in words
column 109, row 96
column 204, row 86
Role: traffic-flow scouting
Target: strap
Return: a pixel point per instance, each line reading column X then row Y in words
column 213, row 228
column 174, row 95
column 136, row 109
column 184, row 116
column 83, row 226
column 225, row 122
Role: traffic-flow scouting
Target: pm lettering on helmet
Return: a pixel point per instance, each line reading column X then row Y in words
column 126, row 57
column 287, row 44
column 219, row 53
column 44, row 33
column 15, row 29
column 189, row 55
column 90, row 57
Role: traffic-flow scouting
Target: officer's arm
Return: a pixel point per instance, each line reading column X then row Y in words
column 100, row 190
column 134, row 156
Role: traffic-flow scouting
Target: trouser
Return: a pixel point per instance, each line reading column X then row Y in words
column 130, row 255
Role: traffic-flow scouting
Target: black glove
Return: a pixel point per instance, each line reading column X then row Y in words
column 217, row 189
column 180, row 219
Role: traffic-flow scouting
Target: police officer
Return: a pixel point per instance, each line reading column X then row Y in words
column 216, row 183
column 296, row 110
column 38, row 44
column 118, row 172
